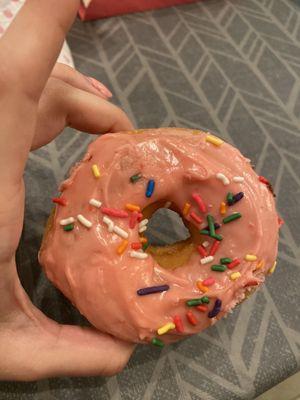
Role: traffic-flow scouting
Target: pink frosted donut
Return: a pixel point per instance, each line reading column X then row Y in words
column 92, row 248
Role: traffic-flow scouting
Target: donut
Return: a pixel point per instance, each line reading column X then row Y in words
column 95, row 249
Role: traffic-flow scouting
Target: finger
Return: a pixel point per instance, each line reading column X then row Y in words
column 80, row 81
column 42, row 26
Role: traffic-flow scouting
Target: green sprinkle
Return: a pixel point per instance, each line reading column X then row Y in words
column 157, row 342
column 205, row 299
column 69, row 227
column 211, row 225
column 225, row 260
column 204, row 232
column 218, row 268
column 197, row 302
column 229, row 198
column 232, row 217
column 217, row 237
column 135, row 178
column 145, row 246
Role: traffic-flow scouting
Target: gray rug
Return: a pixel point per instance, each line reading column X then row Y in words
column 230, row 66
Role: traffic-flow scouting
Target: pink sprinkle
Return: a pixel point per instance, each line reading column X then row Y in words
column 200, row 202
column 196, row 217
column 208, row 281
column 114, row 213
column 202, row 251
column 133, row 219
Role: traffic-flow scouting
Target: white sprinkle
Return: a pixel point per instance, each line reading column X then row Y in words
column 143, row 229
column 167, row 204
column 205, row 244
column 109, row 223
column 95, row 203
column 120, row 232
column 206, row 260
column 67, row 221
column 238, row 179
column 137, row 254
column 143, row 222
column 223, row 178
column 84, row 221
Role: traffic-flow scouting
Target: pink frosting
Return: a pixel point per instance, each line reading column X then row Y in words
column 84, row 263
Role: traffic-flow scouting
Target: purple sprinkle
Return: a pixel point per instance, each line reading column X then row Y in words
column 237, row 197
column 152, row 289
column 217, row 308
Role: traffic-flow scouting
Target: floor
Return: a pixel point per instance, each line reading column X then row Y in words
column 232, row 66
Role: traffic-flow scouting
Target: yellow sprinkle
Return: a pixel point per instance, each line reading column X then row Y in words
column 196, row 132
column 96, row 171
column 223, row 208
column 135, row 131
column 122, row 247
column 186, row 208
column 132, row 207
column 235, row 275
column 250, row 257
column 214, row 140
column 201, row 287
column 272, row 269
column 260, row 264
column 164, row 329
column 143, row 240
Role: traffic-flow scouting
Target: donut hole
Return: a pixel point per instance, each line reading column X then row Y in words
column 171, row 238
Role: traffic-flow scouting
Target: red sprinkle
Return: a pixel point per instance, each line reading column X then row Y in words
column 234, row 263
column 280, row 221
column 208, row 281
column 202, row 308
column 214, row 247
column 200, row 202
column 178, row 324
column 60, row 200
column 251, row 283
column 139, row 217
column 196, row 217
column 136, row 245
column 202, row 251
column 133, row 219
column 263, row 180
column 114, row 212
column 191, row 318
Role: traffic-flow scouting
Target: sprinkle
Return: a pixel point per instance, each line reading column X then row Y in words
column 143, row 240
column 144, row 222
column 84, row 221
column 272, row 269
column 152, row 289
column 202, row 251
column 225, row 260
column 109, row 223
column 234, row 263
column 59, row 200
column 232, row 217
column 120, row 232
column 235, row 275
column 135, row 178
column 166, row 328
column 114, row 212
column 186, row 208
column 136, row 245
column 95, row 203
column 251, row 283
column 132, row 207
column 250, row 257
column 211, row 225
column 139, row 217
column 157, row 342
column 214, row 247
column 145, row 246
column 191, row 318
column 96, row 171
column 223, row 208
column 196, row 217
column 122, row 247
column 198, row 199
column 223, row 178
column 202, row 308
column 263, row 180
column 216, row 225
column 214, row 140
column 205, row 299
column 68, row 227
column 167, row 204
column 202, row 287
column 133, row 219
column 229, row 198
column 217, row 237
column 143, row 229
column 138, row 254
column 260, row 265
column 178, row 324
column 150, row 188
column 206, row 260
column 218, row 268
column 209, row 281
column 217, row 308
column 237, row 197
column 205, row 244
column 196, row 302
column 238, row 179
column 67, row 221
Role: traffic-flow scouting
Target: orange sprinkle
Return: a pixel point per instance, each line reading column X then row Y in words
column 260, row 264
column 201, row 287
column 122, row 247
column 223, row 208
column 202, row 308
column 143, row 240
column 186, row 208
column 132, row 207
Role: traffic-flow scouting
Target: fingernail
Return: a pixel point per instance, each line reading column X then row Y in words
column 100, row 87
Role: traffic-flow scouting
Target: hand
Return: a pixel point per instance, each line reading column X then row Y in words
column 34, row 108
